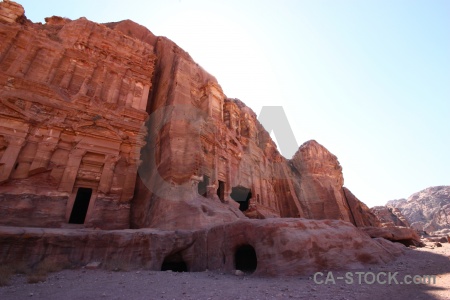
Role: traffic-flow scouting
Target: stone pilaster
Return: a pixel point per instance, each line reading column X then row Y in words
column 130, row 179
column 9, row 158
column 43, row 155
column 71, row 170
column 107, row 173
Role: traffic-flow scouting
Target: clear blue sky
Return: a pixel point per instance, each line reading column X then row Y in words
column 368, row 79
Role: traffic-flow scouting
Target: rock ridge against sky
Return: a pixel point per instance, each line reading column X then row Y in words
column 368, row 80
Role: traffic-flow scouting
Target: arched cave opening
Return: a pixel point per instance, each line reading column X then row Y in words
column 174, row 263
column 80, row 206
column 245, row 259
column 241, row 195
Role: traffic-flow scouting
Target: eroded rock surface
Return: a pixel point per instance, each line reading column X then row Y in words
column 110, row 127
column 74, row 98
column 273, row 246
column 427, row 210
column 390, row 216
column 404, row 235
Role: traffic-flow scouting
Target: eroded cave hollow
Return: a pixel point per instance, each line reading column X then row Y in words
column 174, row 263
column 241, row 195
column 245, row 259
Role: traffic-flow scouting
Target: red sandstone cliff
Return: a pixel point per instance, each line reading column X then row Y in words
column 74, row 98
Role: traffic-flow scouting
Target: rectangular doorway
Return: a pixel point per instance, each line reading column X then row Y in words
column 80, row 206
column 221, row 190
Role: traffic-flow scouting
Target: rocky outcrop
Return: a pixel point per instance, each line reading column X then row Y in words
column 361, row 215
column 427, row 210
column 321, row 182
column 265, row 247
column 12, row 12
column 320, row 187
column 404, row 235
column 390, row 216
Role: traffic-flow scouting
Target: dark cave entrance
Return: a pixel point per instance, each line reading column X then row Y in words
column 202, row 186
column 241, row 195
column 407, row 243
column 80, row 206
column 221, row 190
column 174, row 263
column 245, row 259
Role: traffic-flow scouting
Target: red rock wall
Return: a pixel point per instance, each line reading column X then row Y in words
column 74, row 97
column 282, row 246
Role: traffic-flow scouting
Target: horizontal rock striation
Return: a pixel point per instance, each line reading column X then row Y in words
column 274, row 246
column 73, row 97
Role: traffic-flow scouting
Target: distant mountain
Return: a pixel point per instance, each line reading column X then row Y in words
column 427, row 210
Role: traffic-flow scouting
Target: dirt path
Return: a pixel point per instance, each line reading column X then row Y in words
column 99, row 284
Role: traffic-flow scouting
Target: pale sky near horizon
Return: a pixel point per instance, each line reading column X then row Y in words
column 369, row 80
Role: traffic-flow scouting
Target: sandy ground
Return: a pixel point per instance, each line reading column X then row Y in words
column 143, row 284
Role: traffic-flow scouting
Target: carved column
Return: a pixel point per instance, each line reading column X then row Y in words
column 130, row 94
column 101, row 84
column 65, row 82
column 130, row 179
column 22, row 63
column 228, row 185
column 113, row 89
column 107, row 173
column 58, row 58
column 71, row 170
column 85, row 85
column 43, row 154
column 144, row 98
column 10, row 156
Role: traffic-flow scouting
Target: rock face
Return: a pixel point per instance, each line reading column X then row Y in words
column 390, row 216
column 110, row 127
column 12, row 12
column 404, row 235
column 427, row 210
column 265, row 247
column 361, row 214
column 74, row 97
